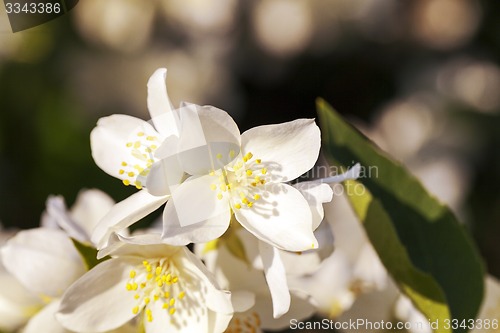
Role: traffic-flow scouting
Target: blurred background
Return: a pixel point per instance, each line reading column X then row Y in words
column 421, row 78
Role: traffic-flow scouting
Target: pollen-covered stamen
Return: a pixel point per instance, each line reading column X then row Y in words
column 135, row 170
column 155, row 281
column 246, row 322
column 240, row 181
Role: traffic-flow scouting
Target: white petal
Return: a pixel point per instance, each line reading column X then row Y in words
column 281, row 217
column 58, row 214
column 216, row 299
column 352, row 174
column 316, row 195
column 308, row 262
column 368, row 268
column 159, row 105
column 207, row 138
column 301, row 308
column 17, row 304
column 276, row 279
column 109, row 139
column 287, row 150
column 242, row 300
column 164, row 176
column 162, row 321
column 218, row 322
column 124, row 214
column 194, row 214
column 144, row 246
column 43, row 260
column 45, row 321
column 197, row 192
column 99, row 301
column 89, row 208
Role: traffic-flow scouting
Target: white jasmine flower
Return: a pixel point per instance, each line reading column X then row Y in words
column 168, row 287
column 247, row 178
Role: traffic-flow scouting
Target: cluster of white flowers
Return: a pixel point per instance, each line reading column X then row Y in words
column 232, row 195
column 261, row 256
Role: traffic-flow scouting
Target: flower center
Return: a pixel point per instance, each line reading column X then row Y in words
column 135, row 170
column 155, row 281
column 240, row 181
column 244, row 322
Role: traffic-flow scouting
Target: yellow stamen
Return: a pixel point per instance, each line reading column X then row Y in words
column 248, row 156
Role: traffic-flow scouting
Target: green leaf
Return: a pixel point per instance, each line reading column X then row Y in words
column 88, row 254
column 418, row 239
